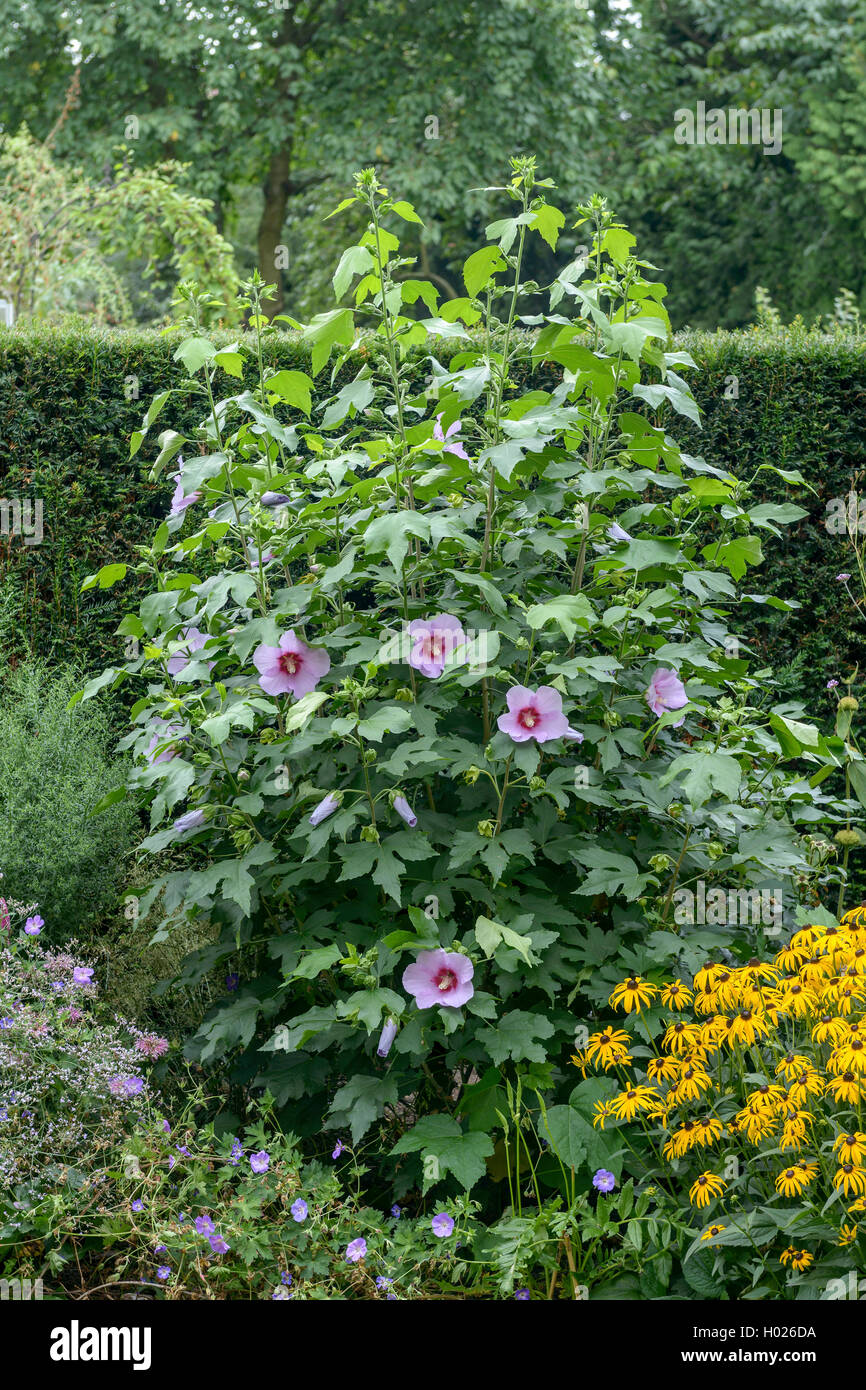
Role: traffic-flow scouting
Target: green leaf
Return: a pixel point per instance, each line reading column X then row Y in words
column 566, row 1130
column 549, row 222
column 360, row 1102
column 441, row 1137
column 293, row 388
column 194, row 352
column 322, row 332
column 480, row 269
column 302, row 712
column 355, row 260
column 406, row 211
column 392, row 719
column 516, row 1037
column 569, row 611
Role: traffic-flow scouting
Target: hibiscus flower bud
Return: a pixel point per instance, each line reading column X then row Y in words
column 370, row 834
column 471, row 775
column 537, row 784
column 268, row 736
column 715, row 849
column 486, row 828
column 675, row 810
column 847, row 838
column 404, row 695
column 660, row 863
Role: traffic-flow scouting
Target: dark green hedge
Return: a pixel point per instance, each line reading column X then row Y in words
column 68, row 407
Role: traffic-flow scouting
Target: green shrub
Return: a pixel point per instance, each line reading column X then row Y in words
column 54, row 767
column 71, row 397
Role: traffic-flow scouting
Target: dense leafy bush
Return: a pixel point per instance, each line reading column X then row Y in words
column 71, row 396
column 55, row 765
column 464, row 707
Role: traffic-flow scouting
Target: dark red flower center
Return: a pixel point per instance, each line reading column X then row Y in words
column 290, row 663
column 445, row 979
column 528, row 717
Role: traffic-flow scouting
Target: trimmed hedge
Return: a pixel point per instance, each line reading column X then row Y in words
column 70, row 398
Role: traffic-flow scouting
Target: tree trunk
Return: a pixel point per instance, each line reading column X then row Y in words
column 276, row 195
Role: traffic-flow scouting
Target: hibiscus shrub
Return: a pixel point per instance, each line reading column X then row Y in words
column 463, row 707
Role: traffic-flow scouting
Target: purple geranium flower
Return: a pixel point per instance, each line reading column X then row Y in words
column 442, row 1224
column 218, row 1245
column 34, row 925
column 181, row 501
column 356, row 1250
column 204, row 1226
column 338, row 1150
column 300, row 1210
column 603, row 1181
column 82, row 975
column 260, row 1162
column 163, row 1272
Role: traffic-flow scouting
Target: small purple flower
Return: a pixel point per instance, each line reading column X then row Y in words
column 326, row 807
column 138, row 1205
column 299, row 1210
column 604, row 1181
column 232, row 982
column 204, row 1226
column 281, row 1295
column 34, row 925
column 404, row 810
column 616, row 533
column 158, row 1249
column 396, row 1212
column 522, row 1295
column 442, row 1224
column 382, row 1282
column 285, row 1277
column 218, row 1245
column 163, row 1272
column 179, row 501
column 842, row 578
column 193, row 641
column 7, row 1022
column 338, row 1150
column 260, row 1162
column 274, row 499
column 452, row 429
column 237, row 1152
column 190, row 821
column 831, row 685
column 356, row 1250
column 82, row 975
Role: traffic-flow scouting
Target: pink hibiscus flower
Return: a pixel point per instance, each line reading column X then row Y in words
column 666, row 691
column 456, row 448
column 536, row 714
column 440, row 977
column 434, row 640
column 291, row 668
